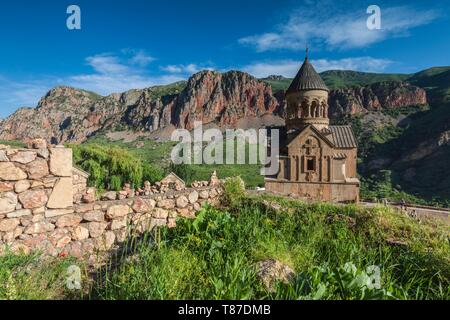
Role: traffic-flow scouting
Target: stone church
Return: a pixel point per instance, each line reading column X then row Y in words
column 317, row 161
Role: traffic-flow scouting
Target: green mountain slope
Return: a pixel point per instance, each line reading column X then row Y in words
column 336, row 79
column 436, row 81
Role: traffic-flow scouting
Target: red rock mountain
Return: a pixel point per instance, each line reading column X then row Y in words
column 375, row 97
column 232, row 99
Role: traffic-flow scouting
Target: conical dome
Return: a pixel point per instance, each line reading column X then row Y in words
column 307, row 79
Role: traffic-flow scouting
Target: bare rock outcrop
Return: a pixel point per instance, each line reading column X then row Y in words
column 375, row 97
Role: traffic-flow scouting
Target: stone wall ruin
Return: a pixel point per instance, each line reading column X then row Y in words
column 45, row 205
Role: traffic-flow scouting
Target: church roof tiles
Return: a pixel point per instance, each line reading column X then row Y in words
column 307, row 79
column 343, row 137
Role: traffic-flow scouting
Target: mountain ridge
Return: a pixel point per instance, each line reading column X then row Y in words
column 227, row 100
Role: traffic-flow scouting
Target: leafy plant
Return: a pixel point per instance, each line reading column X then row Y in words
column 234, row 191
column 111, row 166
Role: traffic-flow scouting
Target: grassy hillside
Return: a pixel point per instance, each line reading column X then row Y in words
column 343, row 79
column 166, row 90
column 330, row 248
column 437, row 83
column 425, row 175
column 278, row 83
column 435, row 80
column 337, row 79
column 149, row 153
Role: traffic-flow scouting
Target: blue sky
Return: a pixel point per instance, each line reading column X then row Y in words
column 137, row 43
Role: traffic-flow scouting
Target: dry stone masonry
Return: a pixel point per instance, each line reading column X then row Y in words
column 45, row 205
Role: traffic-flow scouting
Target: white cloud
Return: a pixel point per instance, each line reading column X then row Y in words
column 289, row 68
column 118, row 73
column 185, row 69
column 365, row 64
column 286, row 68
column 140, row 58
column 332, row 29
column 14, row 94
column 110, row 73
column 107, row 64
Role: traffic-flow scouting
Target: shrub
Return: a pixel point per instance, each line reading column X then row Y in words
column 152, row 174
column 184, row 171
column 234, row 191
column 111, row 166
column 116, row 183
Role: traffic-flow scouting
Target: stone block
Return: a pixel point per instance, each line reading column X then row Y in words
column 20, row 213
column 166, row 204
column 57, row 212
column 118, row 211
column 7, row 225
column 118, row 224
column 193, row 197
column 69, row 220
column 94, row 216
column 33, row 199
column 182, row 202
column 96, row 229
column 159, row 213
column 38, row 143
column 22, row 186
column 37, row 169
column 6, row 186
column 141, row 205
column 61, row 162
column 8, row 202
column 23, row 157
column 80, row 233
column 3, row 156
column 9, row 172
column 39, row 228
column 109, row 196
column 62, row 195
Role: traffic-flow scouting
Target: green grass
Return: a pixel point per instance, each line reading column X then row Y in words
column 337, row 79
column 13, row 143
column 329, row 247
column 279, row 85
column 147, row 150
column 158, row 92
column 31, row 277
column 214, row 257
column 250, row 173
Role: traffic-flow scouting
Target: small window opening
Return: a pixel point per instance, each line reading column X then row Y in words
column 310, row 164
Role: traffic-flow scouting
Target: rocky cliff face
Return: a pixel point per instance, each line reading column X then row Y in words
column 231, row 99
column 375, row 97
